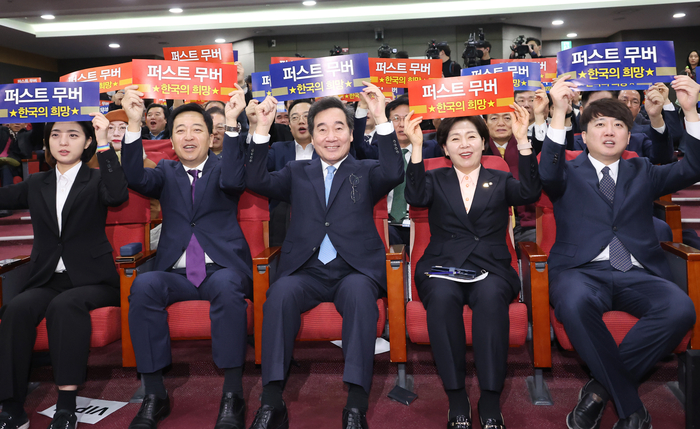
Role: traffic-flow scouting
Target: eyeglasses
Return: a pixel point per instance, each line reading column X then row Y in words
column 296, row 118
column 397, row 118
column 219, row 128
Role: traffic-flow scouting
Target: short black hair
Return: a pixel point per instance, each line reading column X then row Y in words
column 639, row 91
column 155, row 106
column 88, row 153
column 330, row 103
column 191, row 107
column 446, row 125
column 400, row 101
column 610, row 107
column 216, row 110
column 443, row 46
column 300, row 101
column 402, row 54
column 537, row 41
column 210, row 103
column 483, row 44
column 586, row 95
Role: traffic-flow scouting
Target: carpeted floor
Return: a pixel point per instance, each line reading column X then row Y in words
column 315, row 393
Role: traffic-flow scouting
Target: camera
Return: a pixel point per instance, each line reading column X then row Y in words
column 471, row 55
column 433, row 52
column 519, row 47
column 385, row 51
column 337, row 50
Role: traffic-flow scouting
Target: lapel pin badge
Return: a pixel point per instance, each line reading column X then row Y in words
column 487, row 184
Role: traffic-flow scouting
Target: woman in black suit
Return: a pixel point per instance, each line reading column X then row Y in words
column 468, row 216
column 71, row 269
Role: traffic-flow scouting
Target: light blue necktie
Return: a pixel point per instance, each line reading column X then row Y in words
column 327, row 252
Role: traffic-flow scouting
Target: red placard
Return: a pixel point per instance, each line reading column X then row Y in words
column 111, row 78
column 462, row 96
column 548, row 66
column 219, row 53
column 28, row 80
column 398, row 72
column 177, row 80
column 277, row 60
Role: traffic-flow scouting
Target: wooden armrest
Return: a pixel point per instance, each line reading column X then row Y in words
column 681, row 250
column 536, row 297
column 267, row 256
column 261, row 283
column 396, row 299
column 147, row 255
column 691, row 256
column 396, row 252
column 670, row 213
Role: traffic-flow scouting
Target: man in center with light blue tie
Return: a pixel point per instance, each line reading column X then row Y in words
column 332, row 251
column 202, row 254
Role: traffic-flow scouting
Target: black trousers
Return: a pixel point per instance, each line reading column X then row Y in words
column 581, row 295
column 489, row 299
column 152, row 292
column 355, row 297
column 67, row 312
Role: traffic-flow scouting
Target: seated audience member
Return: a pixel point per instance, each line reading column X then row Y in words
column 10, row 153
column 242, row 118
column 332, row 251
column 485, row 47
column 470, row 234
column 503, row 142
column 278, row 132
column 657, row 145
column 156, row 123
column 396, row 111
column 610, row 258
column 197, row 259
column 526, row 99
column 282, row 116
column 218, row 118
column 635, row 101
column 71, row 270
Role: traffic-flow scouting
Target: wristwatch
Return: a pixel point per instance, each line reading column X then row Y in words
column 236, row 129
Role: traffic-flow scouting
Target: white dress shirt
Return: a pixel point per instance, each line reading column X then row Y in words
column 64, row 182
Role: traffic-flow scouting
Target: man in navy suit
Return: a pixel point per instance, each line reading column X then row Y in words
column 607, row 256
column 202, row 254
column 396, row 111
column 301, row 147
column 635, row 100
column 332, row 252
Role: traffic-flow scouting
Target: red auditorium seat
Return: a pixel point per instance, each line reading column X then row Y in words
column 416, row 316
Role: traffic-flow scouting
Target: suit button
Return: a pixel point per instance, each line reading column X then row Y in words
column 614, row 228
column 327, row 224
column 454, row 235
column 192, row 224
column 476, row 238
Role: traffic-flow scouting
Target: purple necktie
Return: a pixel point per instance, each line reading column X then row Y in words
column 196, row 268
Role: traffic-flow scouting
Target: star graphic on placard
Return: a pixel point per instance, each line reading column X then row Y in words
column 491, row 103
column 432, row 108
column 269, row 93
column 156, row 88
column 292, row 90
column 13, row 113
column 75, row 111
column 523, row 83
column 348, row 84
column 582, row 75
column 381, row 79
column 650, row 72
column 215, row 90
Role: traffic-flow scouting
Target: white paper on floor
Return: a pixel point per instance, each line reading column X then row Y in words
column 89, row 410
column 380, row 346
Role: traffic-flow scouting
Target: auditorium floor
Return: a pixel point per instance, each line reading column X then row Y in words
column 315, row 394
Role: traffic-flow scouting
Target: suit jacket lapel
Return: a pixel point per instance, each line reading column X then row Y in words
column 346, row 168
column 482, row 195
column 625, row 174
column 450, row 185
column 184, row 185
column 203, row 180
column 48, row 191
column 81, row 179
column 314, row 171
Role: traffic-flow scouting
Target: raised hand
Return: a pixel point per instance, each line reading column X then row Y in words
column 562, row 93
column 101, row 124
column 654, row 103
column 374, row 99
column 540, row 104
column 241, row 73
column 687, row 93
column 132, row 103
column 265, row 113
column 250, row 113
column 235, row 106
column 520, row 122
column 414, row 133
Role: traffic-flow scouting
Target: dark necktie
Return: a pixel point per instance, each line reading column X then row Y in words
column 368, row 138
column 619, row 256
column 398, row 202
column 196, row 269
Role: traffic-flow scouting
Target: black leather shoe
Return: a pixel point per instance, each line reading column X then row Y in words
column 639, row 420
column 231, row 412
column 153, row 409
column 460, row 422
column 589, row 410
column 268, row 417
column 9, row 422
column 354, row 419
column 492, row 423
column 63, row 419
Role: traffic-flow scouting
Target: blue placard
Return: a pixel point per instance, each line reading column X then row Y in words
column 49, row 101
column 526, row 76
column 318, row 77
column 620, row 65
column 261, row 85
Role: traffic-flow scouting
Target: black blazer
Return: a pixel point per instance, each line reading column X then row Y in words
column 480, row 235
column 83, row 243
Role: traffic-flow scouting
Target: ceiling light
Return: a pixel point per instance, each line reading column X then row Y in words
column 219, row 40
column 309, row 3
column 47, row 16
column 557, row 22
column 679, row 15
column 114, row 45
column 571, row 35
column 176, row 10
